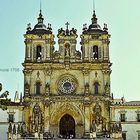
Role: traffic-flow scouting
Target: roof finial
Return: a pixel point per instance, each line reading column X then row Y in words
column 67, row 26
column 94, row 19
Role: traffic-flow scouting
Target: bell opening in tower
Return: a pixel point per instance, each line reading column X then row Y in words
column 95, row 52
column 38, row 53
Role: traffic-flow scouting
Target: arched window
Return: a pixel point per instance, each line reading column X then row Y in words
column 95, row 52
column 96, row 87
column 38, row 85
column 38, row 53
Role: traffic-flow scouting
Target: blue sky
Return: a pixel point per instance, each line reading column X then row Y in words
column 122, row 17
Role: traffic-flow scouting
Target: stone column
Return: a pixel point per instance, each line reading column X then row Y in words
column 47, row 116
column 87, row 117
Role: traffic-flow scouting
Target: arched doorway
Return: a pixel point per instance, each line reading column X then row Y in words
column 67, row 126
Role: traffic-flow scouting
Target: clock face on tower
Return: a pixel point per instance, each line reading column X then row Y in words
column 67, row 85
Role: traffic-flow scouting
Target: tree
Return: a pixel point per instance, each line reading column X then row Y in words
column 4, row 101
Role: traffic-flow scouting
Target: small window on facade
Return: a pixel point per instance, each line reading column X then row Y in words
column 122, row 117
column 38, row 53
column 38, row 85
column 138, row 117
column 124, row 136
column 11, row 118
column 95, row 52
column 96, row 88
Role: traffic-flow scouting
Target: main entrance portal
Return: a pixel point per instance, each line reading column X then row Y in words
column 67, row 126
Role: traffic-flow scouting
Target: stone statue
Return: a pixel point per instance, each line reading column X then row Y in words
column 93, row 126
column 24, row 127
column 61, row 32
column 107, row 87
column 67, row 51
column 36, row 135
column 86, row 88
column 37, row 117
column 98, row 110
column 104, row 126
column 120, row 126
column 10, row 128
column 18, row 129
column 27, row 88
column 47, row 88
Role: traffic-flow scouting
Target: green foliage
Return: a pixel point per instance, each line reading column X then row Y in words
column 4, row 101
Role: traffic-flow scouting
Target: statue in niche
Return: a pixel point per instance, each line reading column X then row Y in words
column 67, row 50
column 78, row 54
column 47, row 88
column 107, row 88
column 86, row 88
column 27, row 88
column 104, row 125
column 37, row 117
column 120, row 126
column 99, row 121
column 24, row 128
column 97, row 109
column 93, row 126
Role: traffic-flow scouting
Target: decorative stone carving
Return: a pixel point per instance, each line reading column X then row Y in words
column 86, row 72
column 47, row 103
column 49, row 72
column 73, row 32
column 97, row 109
column 67, row 85
column 61, row 32
column 37, row 117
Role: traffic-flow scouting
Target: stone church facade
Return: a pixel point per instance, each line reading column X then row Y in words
column 67, row 92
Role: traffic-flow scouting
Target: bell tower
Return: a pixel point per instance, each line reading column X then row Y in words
column 95, row 50
column 39, row 42
column 39, row 49
column 95, row 42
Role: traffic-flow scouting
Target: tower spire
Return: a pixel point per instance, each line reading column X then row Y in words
column 94, row 19
column 93, row 5
column 40, row 18
column 40, row 6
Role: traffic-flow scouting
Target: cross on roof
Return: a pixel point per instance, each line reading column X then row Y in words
column 67, row 25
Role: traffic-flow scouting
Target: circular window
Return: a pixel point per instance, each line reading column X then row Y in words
column 67, row 85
